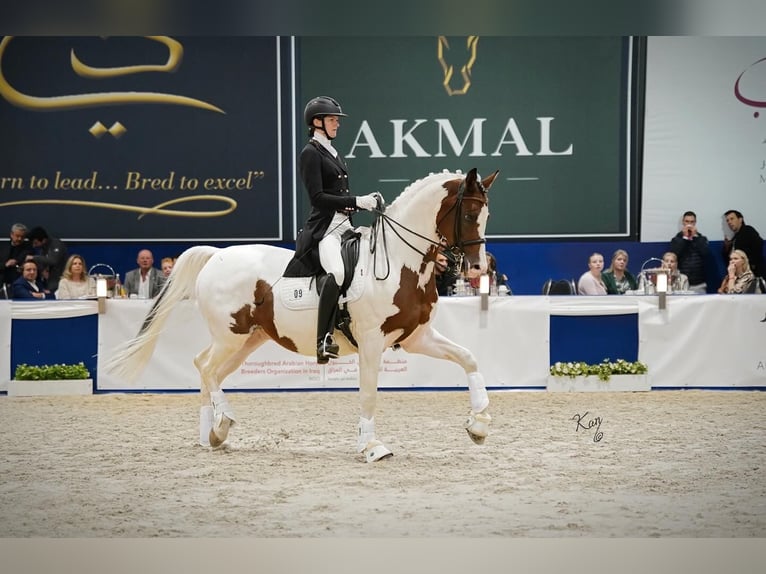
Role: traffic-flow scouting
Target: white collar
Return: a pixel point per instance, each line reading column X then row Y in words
column 325, row 142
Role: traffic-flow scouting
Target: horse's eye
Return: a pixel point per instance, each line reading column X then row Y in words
column 471, row 218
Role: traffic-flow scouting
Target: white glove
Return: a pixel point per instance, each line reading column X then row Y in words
column 368, row 202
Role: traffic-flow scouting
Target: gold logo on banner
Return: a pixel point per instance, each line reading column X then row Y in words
column 117, row 130
column 70, row 102
column 449, row 69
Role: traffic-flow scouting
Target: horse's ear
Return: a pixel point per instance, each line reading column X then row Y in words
column 489, row 180
column 471, row 178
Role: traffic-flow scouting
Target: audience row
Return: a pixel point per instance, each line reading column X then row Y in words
column 38, row 266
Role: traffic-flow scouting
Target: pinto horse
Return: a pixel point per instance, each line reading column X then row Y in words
column 391, row 302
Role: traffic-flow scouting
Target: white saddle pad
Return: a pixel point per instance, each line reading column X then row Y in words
column 301, row 292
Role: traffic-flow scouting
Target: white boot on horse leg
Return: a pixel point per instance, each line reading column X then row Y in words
column 373, row 449
column 205, row 424
column 478, row 420
column 223, row 419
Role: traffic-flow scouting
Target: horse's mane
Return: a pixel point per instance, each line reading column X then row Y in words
column 417, row 186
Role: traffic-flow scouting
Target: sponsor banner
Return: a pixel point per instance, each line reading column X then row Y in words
column 142, row 138
column 552, row 114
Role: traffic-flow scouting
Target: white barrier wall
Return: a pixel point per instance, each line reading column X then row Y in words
column 490, row 335
column 697, row 341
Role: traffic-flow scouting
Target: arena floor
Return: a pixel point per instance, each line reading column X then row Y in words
column 656, row 464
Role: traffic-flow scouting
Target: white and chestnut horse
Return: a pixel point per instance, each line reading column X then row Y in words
column 391, row 302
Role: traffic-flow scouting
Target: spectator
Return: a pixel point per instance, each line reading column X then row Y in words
column 166, row 265
column 13, row 254
column 75, row 282
column 591, row 282
column 693, row 252
column 146, row 281
column 500, row 278
column 746, row 239
column 617, row 278
column 677, row 280
column 50, row 256
column 444, row 276
column 739, row 277
column 28, row 286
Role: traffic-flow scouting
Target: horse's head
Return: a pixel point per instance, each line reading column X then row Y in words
column 462, row 218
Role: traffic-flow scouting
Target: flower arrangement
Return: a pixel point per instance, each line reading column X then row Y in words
column 57, row 372
column 603, row 370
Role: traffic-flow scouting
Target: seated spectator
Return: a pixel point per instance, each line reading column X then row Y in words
column 166, row 265
column 50, row 256
column 13, row 254
column 146, row 281
column 677, row 280
column 591, row 282
column 617, row 278
column 75, row 282
column 500, row 278
column 444, row 276
column 739, row 279
column 28, row 287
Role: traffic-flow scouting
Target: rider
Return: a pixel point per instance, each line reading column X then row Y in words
column 325, row 177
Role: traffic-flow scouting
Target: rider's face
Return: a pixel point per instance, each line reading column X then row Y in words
column 331, row 125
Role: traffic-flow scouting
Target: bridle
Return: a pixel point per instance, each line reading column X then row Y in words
column 457, row 247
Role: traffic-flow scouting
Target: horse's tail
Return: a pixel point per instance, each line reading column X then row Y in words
column 131, row 357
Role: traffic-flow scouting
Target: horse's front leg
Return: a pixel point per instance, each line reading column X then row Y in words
column 370, row 353
column 428, row 341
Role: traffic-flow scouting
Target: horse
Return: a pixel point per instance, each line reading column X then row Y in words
column 245, row 300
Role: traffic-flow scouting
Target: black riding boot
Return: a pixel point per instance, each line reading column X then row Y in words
column 329, row 291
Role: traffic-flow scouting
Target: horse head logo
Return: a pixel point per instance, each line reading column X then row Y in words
column 449, row 70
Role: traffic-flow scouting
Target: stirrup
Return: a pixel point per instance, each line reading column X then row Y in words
column 327, row 349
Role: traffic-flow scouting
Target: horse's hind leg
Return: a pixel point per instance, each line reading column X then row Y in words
column 428, row 341
column 215, row 364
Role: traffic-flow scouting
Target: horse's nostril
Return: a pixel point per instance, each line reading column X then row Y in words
column 476, row 266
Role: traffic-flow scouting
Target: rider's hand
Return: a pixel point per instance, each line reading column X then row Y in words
column 367, row 202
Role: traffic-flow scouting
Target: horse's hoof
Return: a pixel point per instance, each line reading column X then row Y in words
column 376, row 451
column 477, row 426
column 215, row 442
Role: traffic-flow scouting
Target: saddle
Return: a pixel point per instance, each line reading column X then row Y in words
column 301, row 293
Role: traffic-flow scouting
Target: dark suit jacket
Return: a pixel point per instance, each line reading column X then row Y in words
column 748, row 240
column 23, row 290
column 326, row 181
column 52, row 256
column 133, row 281
column 17, row 252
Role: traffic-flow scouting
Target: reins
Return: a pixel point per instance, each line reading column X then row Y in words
column 457, row 248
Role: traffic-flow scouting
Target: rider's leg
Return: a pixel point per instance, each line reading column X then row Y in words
column 328, row 286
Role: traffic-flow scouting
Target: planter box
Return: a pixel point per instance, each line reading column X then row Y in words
column 592, row 383
column 50, row 388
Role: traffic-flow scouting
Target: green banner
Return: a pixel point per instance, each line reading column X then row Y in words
column 550, row 113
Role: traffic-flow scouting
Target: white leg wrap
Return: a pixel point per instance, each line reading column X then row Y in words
column 205, row 424
column 221, row 407
column 479, row 397
column 366, row 433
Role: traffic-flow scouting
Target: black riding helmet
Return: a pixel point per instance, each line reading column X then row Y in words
column 319, row 107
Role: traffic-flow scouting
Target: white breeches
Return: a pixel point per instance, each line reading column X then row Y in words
column 329, row 247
